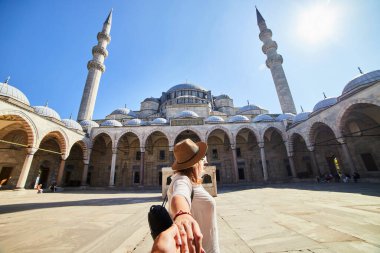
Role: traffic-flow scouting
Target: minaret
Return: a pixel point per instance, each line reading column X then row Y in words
column 274, row 63
column 95, row 70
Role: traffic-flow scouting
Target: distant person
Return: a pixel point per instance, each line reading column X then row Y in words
column 356, row 177
column 39, row 188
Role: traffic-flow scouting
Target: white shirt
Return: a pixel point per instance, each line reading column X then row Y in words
column 203, row 209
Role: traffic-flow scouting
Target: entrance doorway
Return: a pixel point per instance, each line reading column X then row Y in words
column 333, row 165
column 44, row 175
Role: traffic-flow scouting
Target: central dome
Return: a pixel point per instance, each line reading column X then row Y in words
column 186, row 86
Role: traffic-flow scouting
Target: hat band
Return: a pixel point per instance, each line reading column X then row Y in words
column 188, row 160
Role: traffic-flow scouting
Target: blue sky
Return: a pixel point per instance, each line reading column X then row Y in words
column 155, row 45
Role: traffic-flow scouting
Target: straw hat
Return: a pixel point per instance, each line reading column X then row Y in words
column 187, row 153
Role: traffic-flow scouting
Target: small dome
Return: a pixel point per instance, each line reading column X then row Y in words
column 249, row 108
column 238, row 118
column 152, row 99
column 285, row 116
column 133, row 122
column 187, row 114
column 124, row 111
column 301, row 117
column 361, row 80
column 88, row 124
column 325, row 103
column 159, row 121
column 263, row 118
column 7, row 90
column 46, row 112
column 72, row 124
column 223, row 96
column 214, row 119
column 111, row 123
column 185, row 86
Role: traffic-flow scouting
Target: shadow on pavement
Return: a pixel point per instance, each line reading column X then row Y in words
column 88, row 202
column 370, row 189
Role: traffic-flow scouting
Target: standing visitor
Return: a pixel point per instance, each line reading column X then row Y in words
column 190, row 204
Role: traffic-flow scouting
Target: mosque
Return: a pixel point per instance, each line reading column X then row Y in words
column 247, row 145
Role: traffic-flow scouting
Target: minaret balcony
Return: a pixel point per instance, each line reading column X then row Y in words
column 265, row 34
column 104, row 36
column 274, row 60
column 100, row 50
column 268, row 46
column 96, row 65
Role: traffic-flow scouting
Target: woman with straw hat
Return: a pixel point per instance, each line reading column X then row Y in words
column 190, row 205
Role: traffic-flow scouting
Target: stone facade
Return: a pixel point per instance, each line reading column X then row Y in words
column 246, row 145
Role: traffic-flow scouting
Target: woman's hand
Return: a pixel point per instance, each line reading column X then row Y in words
column 190, row 233
column 168, row 241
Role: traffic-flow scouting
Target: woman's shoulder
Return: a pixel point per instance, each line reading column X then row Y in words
column 181, row 178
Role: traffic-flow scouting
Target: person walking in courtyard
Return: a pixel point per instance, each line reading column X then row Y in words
column 190, row 205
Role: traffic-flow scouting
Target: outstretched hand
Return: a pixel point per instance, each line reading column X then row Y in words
column 190, row 233
column 169, row 241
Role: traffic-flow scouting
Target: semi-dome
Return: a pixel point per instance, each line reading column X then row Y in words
column 263, row 118
column 124, row 111
column 249, row 108
column 187, row 114
column 301, row 117
column 223, row 96
column 325, row 103
column 285, row 116
column 159, row 121
column 133, row 122
column 111, row 123
column 238, row 118
column 88, row 123
column 361, row 80
column 214, row 119
column 185, row 86
column 72, row 124
column 7, row 90
column 46, row 112
column 152, row 99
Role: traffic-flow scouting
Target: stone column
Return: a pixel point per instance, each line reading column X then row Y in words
column 85, row 173
column 142, row 165
column 234, row 163
column 292, row 167
column 60, row 172
column 263, row 161
column 314, row 163
column 113, row 165
column 25, row 168
column 347, row 155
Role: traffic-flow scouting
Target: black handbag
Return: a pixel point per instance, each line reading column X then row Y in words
column 159, row 219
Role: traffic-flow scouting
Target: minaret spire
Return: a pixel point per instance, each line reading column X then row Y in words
column 274, row 63
column 95, row 70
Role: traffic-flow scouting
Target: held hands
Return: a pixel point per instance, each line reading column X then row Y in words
column 190, row 232
column 169, row 241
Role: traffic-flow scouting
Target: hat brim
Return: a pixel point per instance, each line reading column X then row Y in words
column 201, row 153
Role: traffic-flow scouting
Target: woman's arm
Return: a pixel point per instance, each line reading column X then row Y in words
column 189, row 229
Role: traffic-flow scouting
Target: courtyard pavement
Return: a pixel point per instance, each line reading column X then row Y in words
column 297, row 217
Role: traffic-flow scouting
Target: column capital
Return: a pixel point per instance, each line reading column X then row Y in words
column 341, row 140
column 233, row 146
column 142, row 149
column 31, row 150
column 261, row 144
column 114, row 151
column 311, row 148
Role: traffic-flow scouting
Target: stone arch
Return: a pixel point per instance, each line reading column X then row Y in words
column 278, row 164
column 197, row 132
column 222, row 128
column 61, row 137
column 266, row 128
column 104, row 132
column 83, row 146
column 27, row 123
column 253, row 130
column 301, row 156
column 345, row 109
column 126, row 131
column 146, row 136
column 315, row 125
